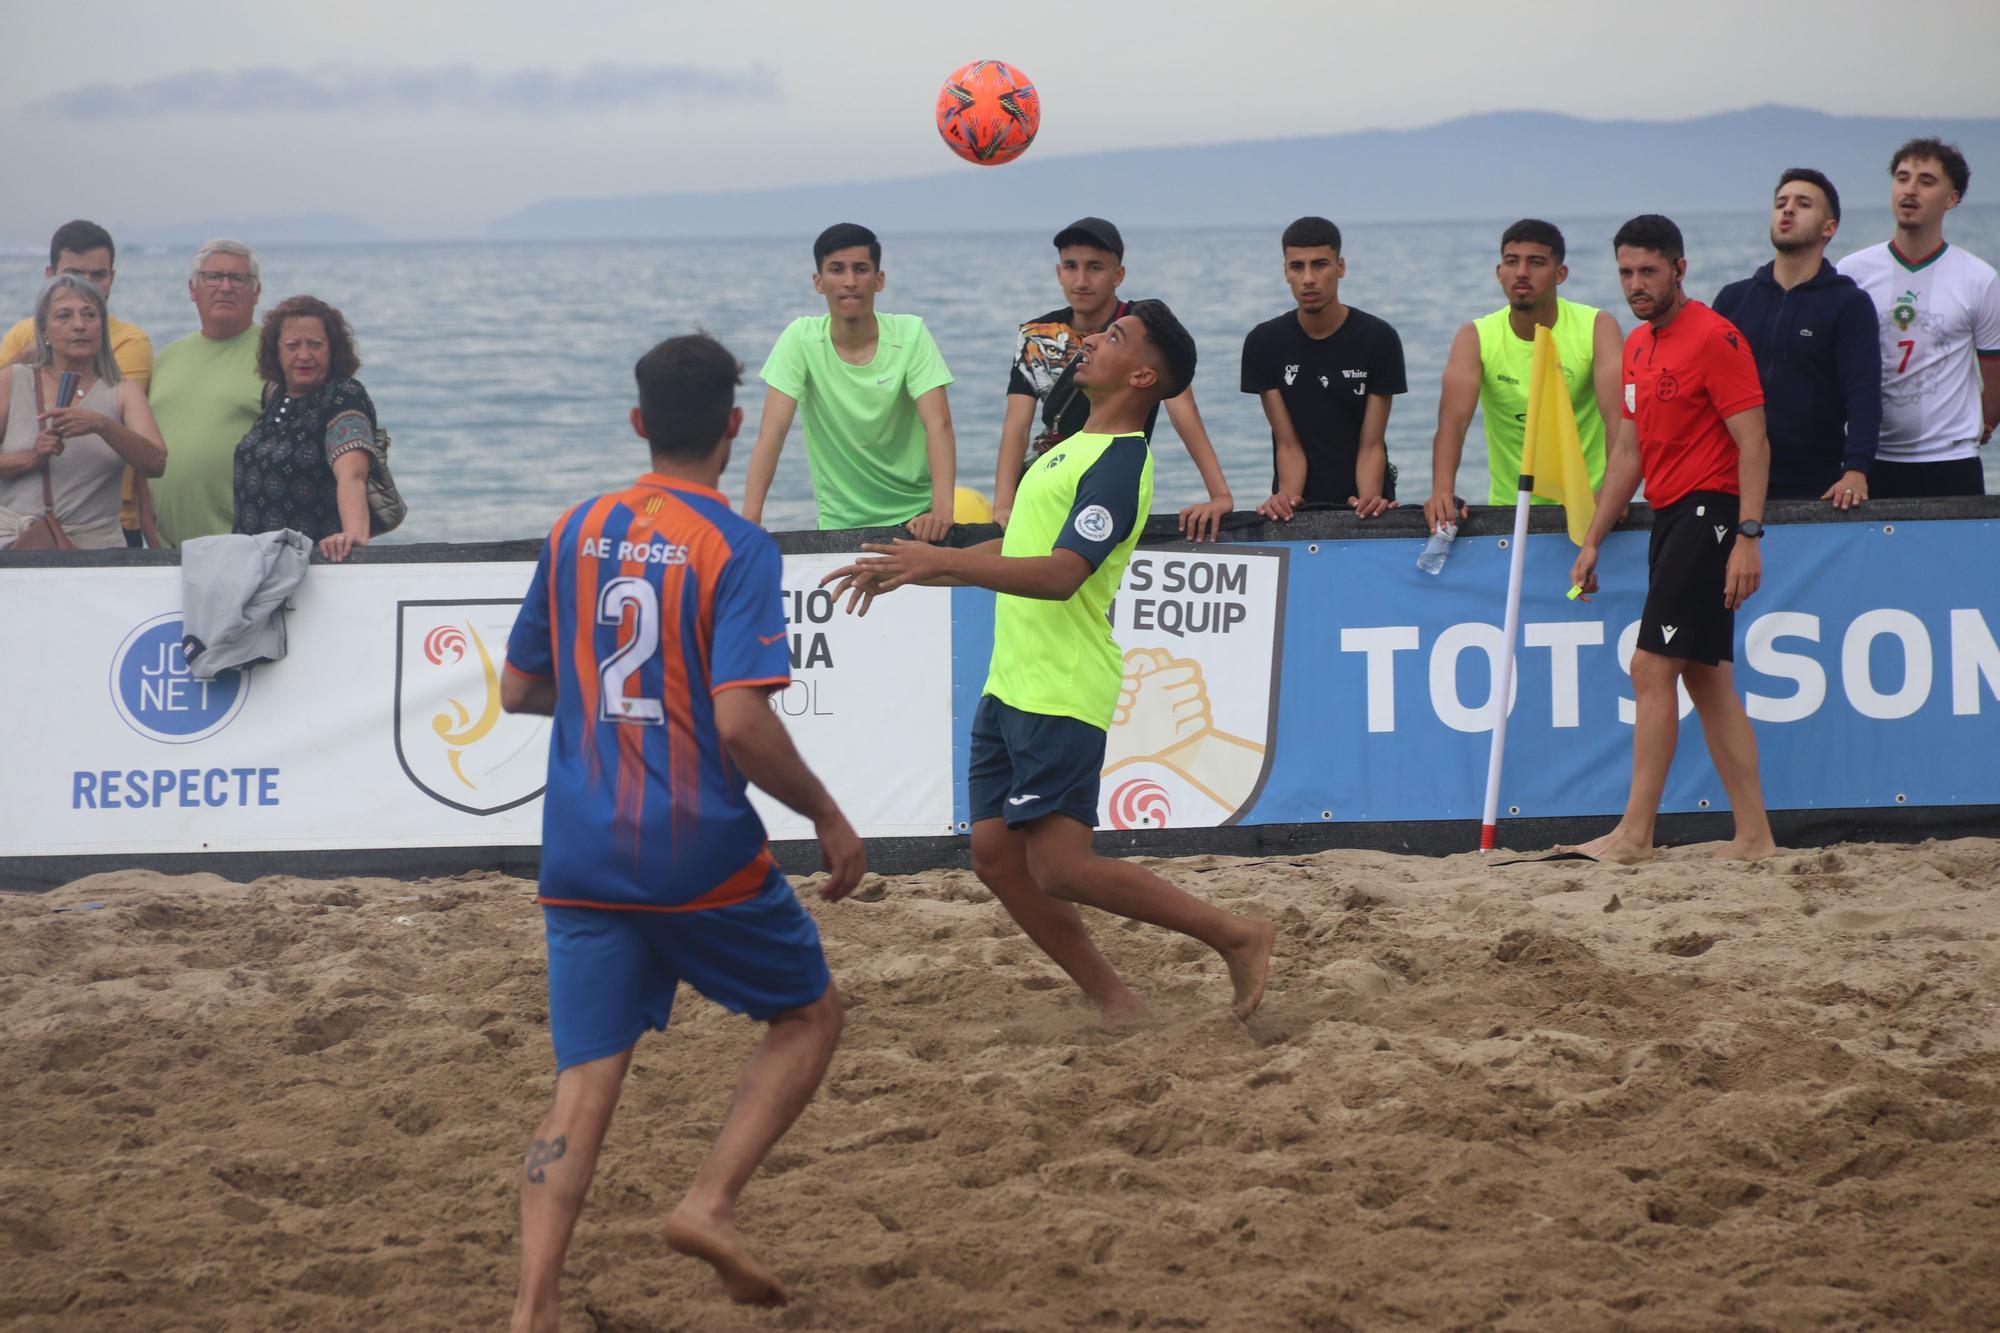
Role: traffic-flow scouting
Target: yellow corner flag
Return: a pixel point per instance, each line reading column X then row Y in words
column 1552, row 452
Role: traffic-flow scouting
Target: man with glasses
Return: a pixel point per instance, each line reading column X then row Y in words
column 207, row 394
column 84, row 250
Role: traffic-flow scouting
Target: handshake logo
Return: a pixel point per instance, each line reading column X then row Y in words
column 1165, row 720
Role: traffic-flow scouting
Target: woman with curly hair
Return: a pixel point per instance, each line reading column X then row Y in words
column 304, row 465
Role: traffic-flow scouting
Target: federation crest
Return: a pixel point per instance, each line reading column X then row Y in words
column 1191, row 740
column 453, row 739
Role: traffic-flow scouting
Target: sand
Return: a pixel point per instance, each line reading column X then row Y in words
column 1527, row 1097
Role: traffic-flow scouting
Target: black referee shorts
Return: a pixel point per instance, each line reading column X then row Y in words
column 1687, row 574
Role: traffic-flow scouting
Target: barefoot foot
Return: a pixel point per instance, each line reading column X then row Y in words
column 1249, row 965
column 1617, row 849
column 1747, row 849
column 716, row 1243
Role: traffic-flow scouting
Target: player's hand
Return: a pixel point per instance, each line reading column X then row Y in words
column 931, row 526
column 1849, row 491
column 855, row 584
column 1370, row 505
column 842, row 854
column 1583, row 573
column 1443, row 507
column 1280, row 507
column 890, row 565
column 1201, row 522
column 1746, row 571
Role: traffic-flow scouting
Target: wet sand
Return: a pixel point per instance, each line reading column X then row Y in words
column 1526, row 1097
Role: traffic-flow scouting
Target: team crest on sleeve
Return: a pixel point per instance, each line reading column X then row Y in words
column 1094, row 523
column 455, row 743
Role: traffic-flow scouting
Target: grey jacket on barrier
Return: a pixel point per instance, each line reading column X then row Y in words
column 233, row 591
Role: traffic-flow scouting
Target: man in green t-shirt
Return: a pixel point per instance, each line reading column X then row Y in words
column 1488, row 369
column 1038, row 738
column 207, row 395
column 871, row 387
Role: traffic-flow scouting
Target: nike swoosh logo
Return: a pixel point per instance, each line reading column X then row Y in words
column 768, row 639
column 885, row 379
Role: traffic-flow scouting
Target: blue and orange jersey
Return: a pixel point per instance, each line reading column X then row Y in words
column 647, row 603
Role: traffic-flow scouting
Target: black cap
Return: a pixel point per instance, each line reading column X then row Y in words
column 1092, row 231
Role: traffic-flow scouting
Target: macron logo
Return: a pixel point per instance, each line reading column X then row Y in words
column 1720, row 533
column 1667, row 632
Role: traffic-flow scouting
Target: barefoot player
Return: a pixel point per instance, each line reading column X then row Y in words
column 654, row 633
column 1038, row 738
column 1693, row 430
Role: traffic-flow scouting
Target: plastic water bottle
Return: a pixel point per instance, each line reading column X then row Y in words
column 1437, row 548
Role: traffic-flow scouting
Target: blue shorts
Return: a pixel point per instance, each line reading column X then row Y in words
column 1026, row 765
column 612, row 974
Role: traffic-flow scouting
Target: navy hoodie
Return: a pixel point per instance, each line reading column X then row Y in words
column 1818, row 355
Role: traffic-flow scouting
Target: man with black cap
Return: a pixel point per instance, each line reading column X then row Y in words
column 1090, row 263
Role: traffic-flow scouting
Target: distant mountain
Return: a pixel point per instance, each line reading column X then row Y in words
column 1502, row 164
column 305, row 229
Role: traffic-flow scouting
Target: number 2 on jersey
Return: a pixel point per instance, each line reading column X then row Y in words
column 1908, row 345
column 618, row 596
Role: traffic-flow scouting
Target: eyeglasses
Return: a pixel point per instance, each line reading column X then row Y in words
column 212, row 278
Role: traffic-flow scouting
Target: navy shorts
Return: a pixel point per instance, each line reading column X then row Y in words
column 1026, row 765
column 1687, row 575
column 612, row 974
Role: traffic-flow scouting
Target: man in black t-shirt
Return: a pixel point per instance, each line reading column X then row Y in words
column 1042, row 401
column 1325, row 374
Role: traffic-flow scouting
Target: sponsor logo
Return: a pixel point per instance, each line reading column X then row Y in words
column 1140, row 803
column 1023, row 800
column 1291, row 373
column 1631, row 398
column 1904, row 312
column 1734, row 343
column 159, row 697
column 1667, row 633
column 1191, row 734
column 1805, row 333
column 1666, row 388
column 1094, row 523
column 884, row 380
column 768, row 639
column 1720, row 533
column 455, row 743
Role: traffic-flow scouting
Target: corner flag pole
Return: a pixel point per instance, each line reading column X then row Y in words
column 1503, row 672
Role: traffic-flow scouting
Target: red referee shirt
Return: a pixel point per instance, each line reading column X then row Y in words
column 1681, row 383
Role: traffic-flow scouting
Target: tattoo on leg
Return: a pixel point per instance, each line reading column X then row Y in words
column 541, row 1153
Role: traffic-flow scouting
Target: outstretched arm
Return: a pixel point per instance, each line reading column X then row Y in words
column 1457, row 400
column 1200, row 522
column 762, row 751
column 941, row 449
column 772, row 427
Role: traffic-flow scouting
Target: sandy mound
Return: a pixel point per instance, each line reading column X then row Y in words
column 1511, row 1097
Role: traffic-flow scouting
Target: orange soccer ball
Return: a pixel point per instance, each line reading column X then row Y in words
column 988, row 112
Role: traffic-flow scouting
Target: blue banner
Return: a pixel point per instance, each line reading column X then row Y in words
column 1299, row 682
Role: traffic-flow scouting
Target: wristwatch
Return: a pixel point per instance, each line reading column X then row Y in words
column 1750, row 528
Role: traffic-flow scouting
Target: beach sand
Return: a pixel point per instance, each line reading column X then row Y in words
column 1521, row 1097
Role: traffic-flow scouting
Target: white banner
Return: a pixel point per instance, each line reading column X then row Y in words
column 382, row 727
column 1191, row 740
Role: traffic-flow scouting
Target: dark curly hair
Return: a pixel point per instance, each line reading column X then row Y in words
column 339, row 339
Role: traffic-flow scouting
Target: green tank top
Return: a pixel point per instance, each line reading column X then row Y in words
column 1059, row 658
column 1504, row 361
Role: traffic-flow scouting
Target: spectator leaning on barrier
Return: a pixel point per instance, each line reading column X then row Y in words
column 1326, row 374
column 1813, row 334
column 304, row 464
column 207, row 395
column 85, row 250
column 79, row 451
column 1939, row 314
column 871, row 387
column 1042, row 388
column 1488, row 367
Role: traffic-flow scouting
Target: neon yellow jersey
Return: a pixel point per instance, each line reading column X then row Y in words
column 1090, row 494
column 1504, row 361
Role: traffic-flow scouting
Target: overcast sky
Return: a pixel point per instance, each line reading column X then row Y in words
column 432, row 117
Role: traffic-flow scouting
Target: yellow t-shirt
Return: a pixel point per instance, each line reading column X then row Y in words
column 132, row 350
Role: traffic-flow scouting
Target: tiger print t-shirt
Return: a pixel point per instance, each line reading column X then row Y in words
column 1042, row 359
